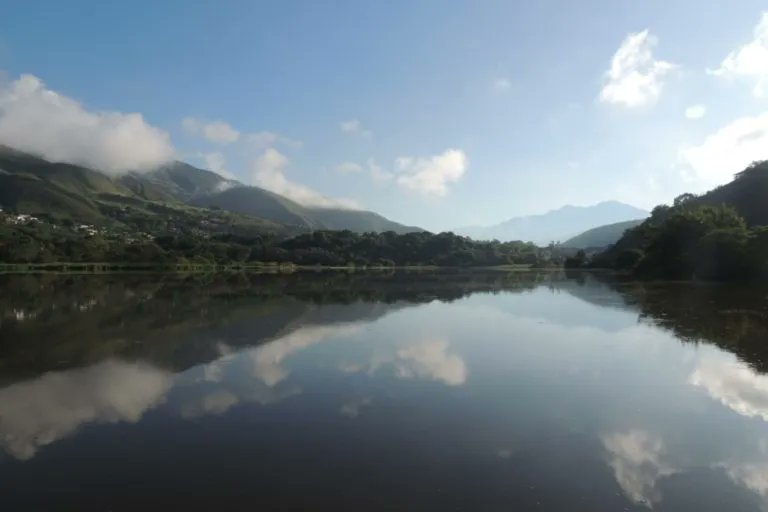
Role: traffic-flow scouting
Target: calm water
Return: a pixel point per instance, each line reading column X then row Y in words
column 482, row 392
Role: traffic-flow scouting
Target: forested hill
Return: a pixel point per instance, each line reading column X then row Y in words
column 602, row 236
column 177, row 191
column 722, row 234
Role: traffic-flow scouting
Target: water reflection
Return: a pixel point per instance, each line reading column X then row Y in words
column 734, row 385
column 474, row 392
column 638, row 462
column 41, row 411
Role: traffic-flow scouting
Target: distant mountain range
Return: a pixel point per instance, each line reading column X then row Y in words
column 29, row 184
column 557, row 225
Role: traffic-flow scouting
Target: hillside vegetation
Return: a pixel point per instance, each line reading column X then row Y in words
column 720, row 235
column 602, row 236
column 31, row 185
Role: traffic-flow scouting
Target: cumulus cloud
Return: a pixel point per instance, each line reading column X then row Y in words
column 218, row 132
column 637, row 460
column 635, row 78
column 349, row 168
column 727, row 151
column 501, row 84
column 750, row 61
column 354, row 127
column 268, row 171
column 38, row 120
column 695, row 112
column 734, row 385
column 433, row 175
column 39, row 412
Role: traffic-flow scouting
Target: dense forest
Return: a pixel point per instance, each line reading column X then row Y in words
column 35, row 240
column 722, row 235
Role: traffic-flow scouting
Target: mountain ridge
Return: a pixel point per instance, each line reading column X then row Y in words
column 32, row 185
column 556, row 225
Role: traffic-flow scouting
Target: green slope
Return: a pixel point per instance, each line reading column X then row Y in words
column 748, row 193
column 601, row 236
column 358, row 221
column 260, row 203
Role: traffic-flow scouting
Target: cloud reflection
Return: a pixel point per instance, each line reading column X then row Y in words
column 431, row 360
column 41, row 411
column 267, row 360
column 734, row 385
column 637, row 460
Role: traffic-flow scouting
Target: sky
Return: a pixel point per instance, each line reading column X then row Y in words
column 437, row 113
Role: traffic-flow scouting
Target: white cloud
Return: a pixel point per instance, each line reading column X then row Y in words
column 635, row 78
column 354, row 127
column 501, row 84
column 431, row 175
column 637, row 460
column 215, row 131
column 734, row 385
column 431, row 360
column 727, row 151
column 695, row 112
column 41, row 411
column 268, row 171
column 216, row 162
column 349, row 168
column 38, row 120
column 750, row 61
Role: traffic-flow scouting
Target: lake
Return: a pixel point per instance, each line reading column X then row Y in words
column 372, row 392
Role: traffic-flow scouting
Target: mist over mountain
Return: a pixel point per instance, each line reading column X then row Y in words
column 556, row 225
column 32, row 185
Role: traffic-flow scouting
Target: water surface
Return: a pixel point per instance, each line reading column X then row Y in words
column 468, row 392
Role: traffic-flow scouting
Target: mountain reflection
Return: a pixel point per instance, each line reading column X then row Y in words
column 633, row 389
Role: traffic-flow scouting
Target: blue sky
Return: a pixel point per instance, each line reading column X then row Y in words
column 437, row 113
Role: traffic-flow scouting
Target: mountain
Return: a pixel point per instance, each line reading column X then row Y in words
column 179, row 180
column 358, row 221
column 747, row 193
column 721, row 234
column 258, row 202
column 601, row 236
column 556, row 225
column 29, row 184
column 263, row 203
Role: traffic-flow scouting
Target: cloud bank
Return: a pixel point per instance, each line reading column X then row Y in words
column 268, row 171
column 38, row 120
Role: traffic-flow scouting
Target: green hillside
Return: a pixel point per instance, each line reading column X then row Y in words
column 601, row 236
column 358, row 221
column 747, row 193
column 186, row 194
column 722, row 234
column 258, row 202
